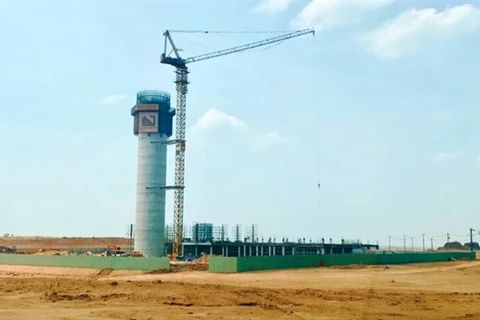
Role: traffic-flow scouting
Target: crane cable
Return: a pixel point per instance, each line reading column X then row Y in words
column 268, row 47
column 215, row 48
column 206, row 31
column 316, row 125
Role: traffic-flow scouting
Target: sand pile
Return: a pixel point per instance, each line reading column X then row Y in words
column 203, row 259
column 104, row 272
column 135, row 254
column 158, row 271
column 195, row 267
column 52, row 252
column 350, row 267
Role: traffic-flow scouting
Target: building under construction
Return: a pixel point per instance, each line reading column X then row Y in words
column 207, row 239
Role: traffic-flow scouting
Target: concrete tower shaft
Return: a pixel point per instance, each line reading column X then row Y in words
column 153, row 125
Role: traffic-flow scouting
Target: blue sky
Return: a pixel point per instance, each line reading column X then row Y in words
column 381, row 107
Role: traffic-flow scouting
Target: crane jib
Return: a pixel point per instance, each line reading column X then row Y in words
column 179, row 62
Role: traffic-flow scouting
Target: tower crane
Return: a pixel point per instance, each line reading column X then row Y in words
column 181, row 82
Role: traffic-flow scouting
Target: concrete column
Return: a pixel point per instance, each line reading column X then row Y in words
column 293, row 250
column 283, row 250
column 269, row 250
column 245, row 251
column 211, row 250
column 223, row 250
column 226, row 251
column 239, row 251
column 150, row 203
column 196, row 251
column 256, row 250
column 261, row 250
column 249, row 251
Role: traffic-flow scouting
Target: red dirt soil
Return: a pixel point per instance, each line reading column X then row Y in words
column 437, row 291
column 62, row 243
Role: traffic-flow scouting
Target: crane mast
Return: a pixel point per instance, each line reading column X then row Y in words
column 181, row 82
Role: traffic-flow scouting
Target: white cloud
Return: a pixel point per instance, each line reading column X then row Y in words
column 323, row 15
column 272, row 6
column 415, row 28
column 445, row 156
column 114, row 99
column 214, row 119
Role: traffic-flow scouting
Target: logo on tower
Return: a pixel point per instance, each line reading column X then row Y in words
column 147, row 122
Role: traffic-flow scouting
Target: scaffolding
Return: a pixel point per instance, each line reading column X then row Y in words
column 251, row 234
column 237, row 233
column 208, row 233
column 220, row 233
column 202, row 232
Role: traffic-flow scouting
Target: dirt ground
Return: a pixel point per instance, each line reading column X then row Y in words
column 430, row 291
column 61, row 243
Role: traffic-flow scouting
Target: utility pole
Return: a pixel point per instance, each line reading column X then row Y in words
column 389, row 243
column 423, row 241
column 405, row 243
column 130, row 235
column 448, row 240
column 412, row 242
column 471, row 239
column 431, row 243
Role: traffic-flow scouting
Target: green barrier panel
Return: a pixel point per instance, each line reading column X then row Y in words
column 277, row 262
column 119, row 263
column 423, row 257
column 245, row 264
column 347, row 259
column 301, row 261
column 222, row 264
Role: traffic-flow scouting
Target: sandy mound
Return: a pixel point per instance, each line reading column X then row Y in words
column 104, row 272
column 195, row 267
column 350, row 267
column 158, row 271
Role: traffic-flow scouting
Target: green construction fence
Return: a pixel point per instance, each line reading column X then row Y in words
column 258, row 263
column 117, row 263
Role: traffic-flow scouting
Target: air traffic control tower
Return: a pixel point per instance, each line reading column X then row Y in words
column 152, row 123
